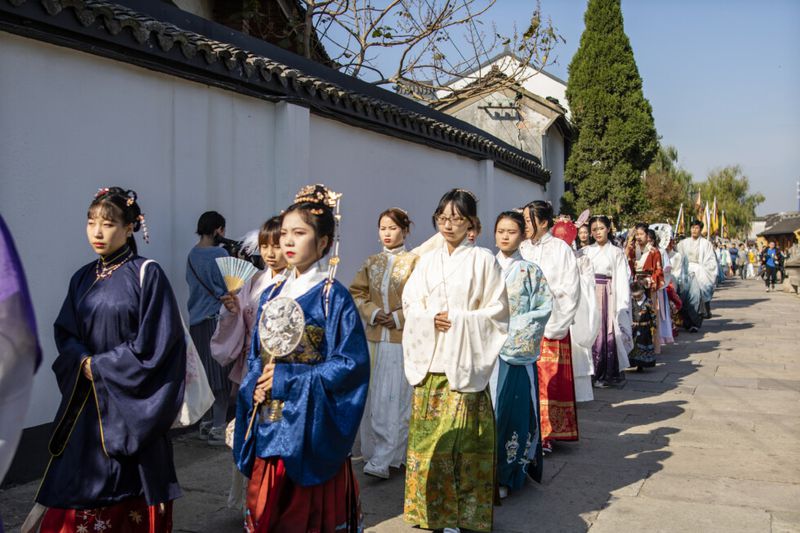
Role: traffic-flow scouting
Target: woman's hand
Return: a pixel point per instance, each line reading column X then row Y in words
column 264, row 384
column 440, row 322
column 231, row 303
column 385, row 320
column 86, row 368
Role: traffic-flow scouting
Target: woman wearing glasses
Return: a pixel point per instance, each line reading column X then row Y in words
column 456, row 311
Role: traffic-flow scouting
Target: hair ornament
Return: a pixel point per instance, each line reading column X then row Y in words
column 101, row 192
column 318, row 194
column 145, row 232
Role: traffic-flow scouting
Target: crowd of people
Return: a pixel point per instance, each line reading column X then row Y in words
column 461, row 365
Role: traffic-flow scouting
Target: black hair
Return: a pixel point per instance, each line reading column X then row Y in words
column 398, row 216
column 475, row 225
column 651, row 233
column 541, row 210
column 696, row 222
column 118, row 205
column 514, row 216
column 464, row 203
column 641, row 225
column 604, row 220
column 270, row 232
column 317, row 215
column 637, row 287
column 209, row 222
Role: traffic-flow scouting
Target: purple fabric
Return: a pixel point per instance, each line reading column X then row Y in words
column 12, row 283
column 604, row 350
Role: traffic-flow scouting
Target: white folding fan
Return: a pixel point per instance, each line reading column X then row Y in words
column 235, row 272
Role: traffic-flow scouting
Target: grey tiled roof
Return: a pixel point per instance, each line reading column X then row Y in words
column 325, row 91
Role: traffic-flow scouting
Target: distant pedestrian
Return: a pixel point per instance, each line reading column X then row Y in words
column 206, row 288
column 771, row 259
column 733, row 252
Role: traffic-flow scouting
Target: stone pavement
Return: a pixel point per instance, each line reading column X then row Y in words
column 709, row 441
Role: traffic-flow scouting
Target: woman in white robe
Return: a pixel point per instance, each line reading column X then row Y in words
column 612, row 277
column 456, row 311
column 559, row 418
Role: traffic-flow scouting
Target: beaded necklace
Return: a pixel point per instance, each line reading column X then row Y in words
column 104, row 272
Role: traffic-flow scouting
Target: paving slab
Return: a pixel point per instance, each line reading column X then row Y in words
column 672, row 516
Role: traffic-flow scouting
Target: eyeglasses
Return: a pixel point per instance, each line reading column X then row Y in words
column 455, row 221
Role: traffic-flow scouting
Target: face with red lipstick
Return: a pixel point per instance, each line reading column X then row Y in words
column 390, row 233
column 106, row 236
column 299, row 242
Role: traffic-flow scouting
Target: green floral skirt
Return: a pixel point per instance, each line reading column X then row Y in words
column 450, row 464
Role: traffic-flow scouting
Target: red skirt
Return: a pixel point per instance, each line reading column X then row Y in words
column 559, row 417
column 130, row 516
column 276, row 504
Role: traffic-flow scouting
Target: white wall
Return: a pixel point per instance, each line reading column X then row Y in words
column 72, row 122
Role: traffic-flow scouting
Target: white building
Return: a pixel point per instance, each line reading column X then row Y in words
column 529, row 113
column 195, row 116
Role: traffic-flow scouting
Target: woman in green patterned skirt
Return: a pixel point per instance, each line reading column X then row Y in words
column 456, row 311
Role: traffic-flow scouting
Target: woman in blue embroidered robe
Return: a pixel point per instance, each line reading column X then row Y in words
column 121, row 368
column 300, row 474
column 514, row 383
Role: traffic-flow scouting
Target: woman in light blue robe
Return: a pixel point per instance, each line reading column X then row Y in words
column 514, row 383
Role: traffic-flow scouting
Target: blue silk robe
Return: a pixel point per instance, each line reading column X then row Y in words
column 323, row 385
column 110, row 438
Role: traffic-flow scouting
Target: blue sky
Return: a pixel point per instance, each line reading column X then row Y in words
column 723, row 77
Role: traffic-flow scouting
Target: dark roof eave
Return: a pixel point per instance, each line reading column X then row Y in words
column 113, row 30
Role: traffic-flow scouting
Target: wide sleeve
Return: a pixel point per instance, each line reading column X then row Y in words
column 70, row 346
column 526, row 327
column 325, row 401
column 709, row 261
column 139, row 384
column 658, row 268
column 229, row 336
column 359, row 290
column 477, row 334
column 565, row 285
column 419, row 333
column 586, row 324
column 622, row 301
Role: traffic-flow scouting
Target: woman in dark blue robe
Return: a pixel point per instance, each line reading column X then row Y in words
column 301, row 478
column 120, row 368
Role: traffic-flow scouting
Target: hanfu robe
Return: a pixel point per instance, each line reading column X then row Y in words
column 664, row 313
column 615, row 339
column 698, row 278
column 451, row 443
column 230, row 345
column 378, row 286
column 583, row 331
column 299, row 465
column 647, row 268
column 514, row 384
column 110, row 444
column 559, row 415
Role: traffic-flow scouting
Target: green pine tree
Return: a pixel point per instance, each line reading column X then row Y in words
column 616, row 136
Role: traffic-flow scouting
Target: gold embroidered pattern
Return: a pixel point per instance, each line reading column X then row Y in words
column 309, row 349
